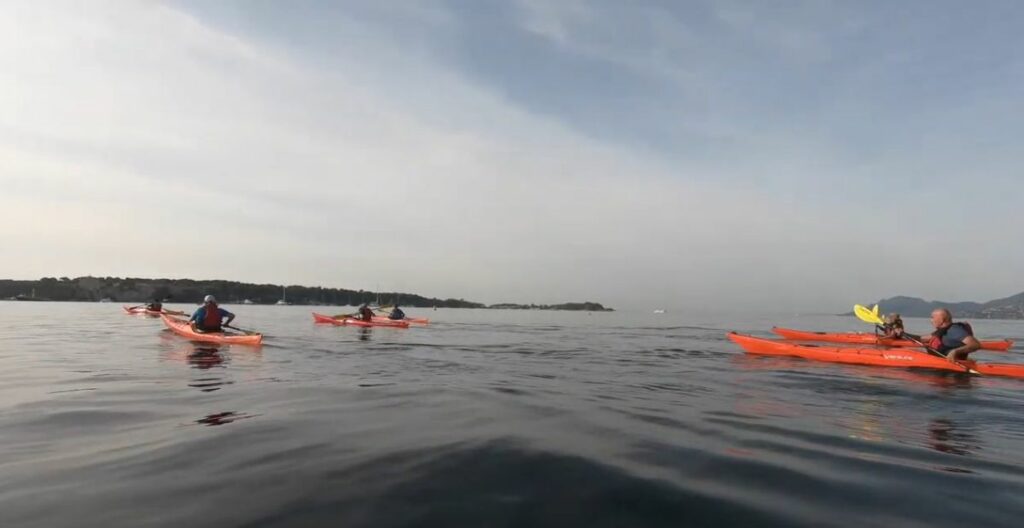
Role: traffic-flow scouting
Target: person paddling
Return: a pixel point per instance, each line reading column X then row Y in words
column 210, row 317
column 893, row 327
column 365, row 313
column 155, row 306
column 954, row 340
column 396, row 314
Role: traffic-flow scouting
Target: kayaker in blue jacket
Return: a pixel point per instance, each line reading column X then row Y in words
column 210, row 317
column 396, row 314
column 955, row 340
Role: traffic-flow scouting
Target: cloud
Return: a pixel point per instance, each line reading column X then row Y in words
column 144, row 139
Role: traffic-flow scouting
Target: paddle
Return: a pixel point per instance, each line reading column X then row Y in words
column 871, row 316
column 248, row 332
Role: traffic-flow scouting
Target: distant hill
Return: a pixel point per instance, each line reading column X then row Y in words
column 1006, row 308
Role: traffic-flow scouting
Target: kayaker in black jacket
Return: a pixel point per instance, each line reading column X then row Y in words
column 955, row 340
column 396, row 314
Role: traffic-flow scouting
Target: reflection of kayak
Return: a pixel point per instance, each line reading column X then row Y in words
column 183, row 329
column 411, row 320
column 858, row 338
column 881, row 357
column 348, row 321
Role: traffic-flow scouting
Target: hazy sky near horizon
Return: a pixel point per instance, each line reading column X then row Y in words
column 802, row 155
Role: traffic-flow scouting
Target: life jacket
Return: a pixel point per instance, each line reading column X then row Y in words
column 936, row 341
column 211, row 320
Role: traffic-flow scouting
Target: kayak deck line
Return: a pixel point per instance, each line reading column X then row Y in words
column 183, row 329
column 410, row 320
column 880, row 357
column 864, row 338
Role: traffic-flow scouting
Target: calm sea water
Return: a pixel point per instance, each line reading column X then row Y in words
column 487, row 418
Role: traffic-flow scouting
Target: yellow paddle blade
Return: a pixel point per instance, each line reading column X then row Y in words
column 875, row 310
column 868, row 316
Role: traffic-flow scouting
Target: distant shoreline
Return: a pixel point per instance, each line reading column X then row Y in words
column 1008, row 308
column 186, row 291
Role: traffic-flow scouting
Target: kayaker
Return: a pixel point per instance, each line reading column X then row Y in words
column 155, row 306
column 396, row 314
column 893, row 327
column 210, row 317
column 365, row 313
column 955, row 340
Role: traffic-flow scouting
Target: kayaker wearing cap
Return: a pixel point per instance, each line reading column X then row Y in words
column 893, row 327
column 955, row 340
column 396, row 314
column 365, row 313
column 209, row 316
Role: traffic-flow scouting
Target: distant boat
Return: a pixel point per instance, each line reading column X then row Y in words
column 106, row 299
column 32, row 297
column 659, row 311
column 284, row 297
column 248, row 301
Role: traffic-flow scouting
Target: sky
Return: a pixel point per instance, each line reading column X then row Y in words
column 711, row 155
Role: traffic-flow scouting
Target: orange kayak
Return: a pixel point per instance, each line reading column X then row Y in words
column 182, row 328
column 863, row 338
column 349, row 321
column 880, row 357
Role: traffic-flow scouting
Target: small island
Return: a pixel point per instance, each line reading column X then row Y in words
column 575, row 307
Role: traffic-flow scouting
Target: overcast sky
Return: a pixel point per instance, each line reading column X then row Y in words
column 719, row 154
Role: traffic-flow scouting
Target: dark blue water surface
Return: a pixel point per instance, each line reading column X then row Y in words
column 488, row 418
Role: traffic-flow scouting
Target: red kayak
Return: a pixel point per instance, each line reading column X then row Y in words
column 142, row 310
column 880, row 357
column 862, row 338
column 349, row 321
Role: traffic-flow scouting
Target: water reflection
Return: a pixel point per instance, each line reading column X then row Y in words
column 934, row 378
column 948, row 437
column 205, row 357
column 364, row 334
column 222, row 418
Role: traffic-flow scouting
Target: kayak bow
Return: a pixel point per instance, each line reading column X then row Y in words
column 879, row 357
column 863, row 338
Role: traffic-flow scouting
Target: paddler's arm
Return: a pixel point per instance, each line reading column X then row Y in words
column 970, row 345
column 231, row 317
column 194, row 319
